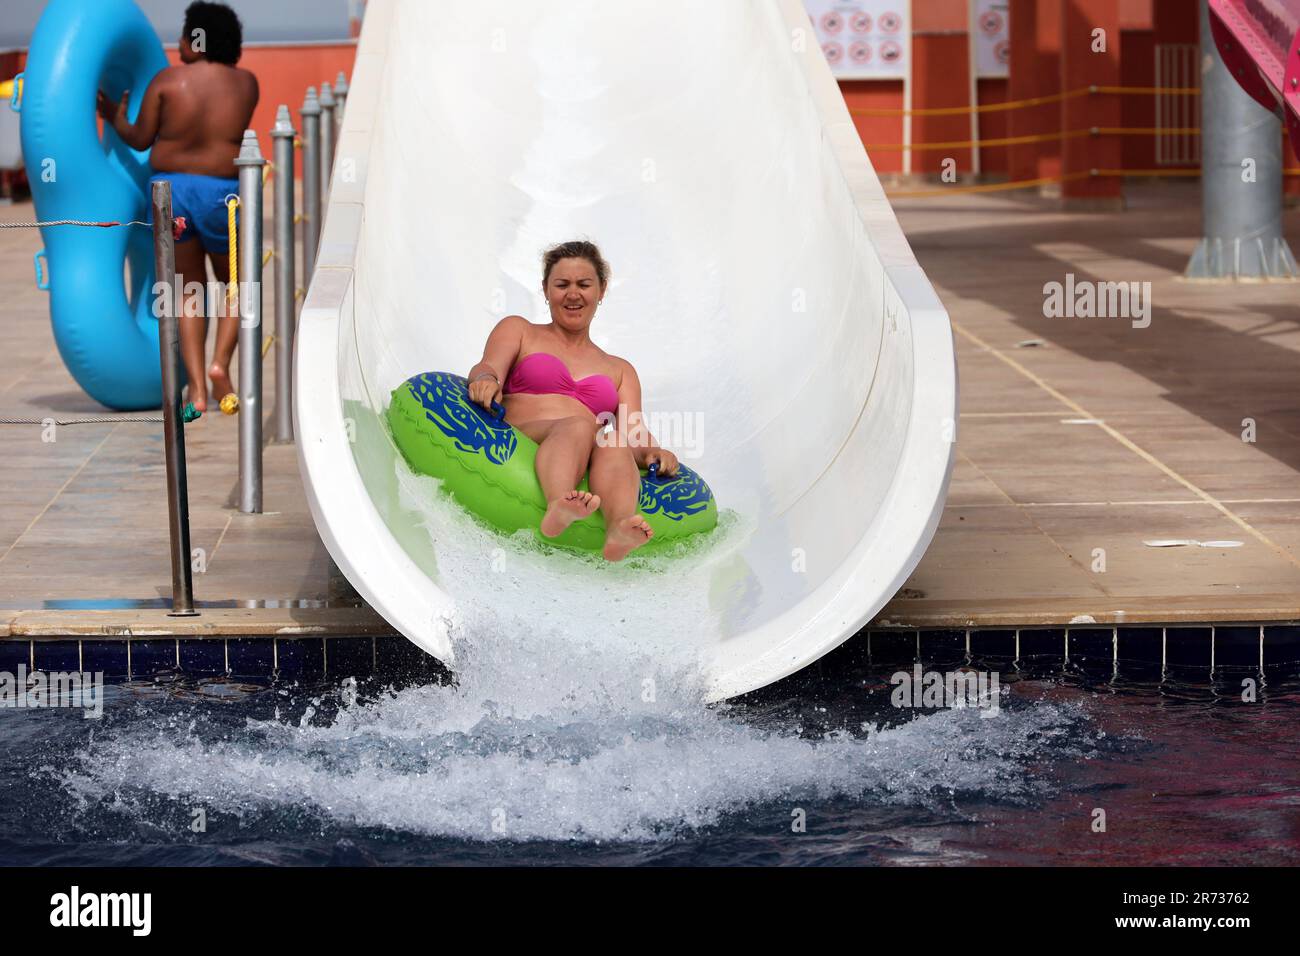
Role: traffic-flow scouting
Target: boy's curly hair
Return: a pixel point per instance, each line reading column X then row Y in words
column 222, row 33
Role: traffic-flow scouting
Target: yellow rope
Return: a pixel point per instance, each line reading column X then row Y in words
column 1039, row 138
column 1033, row 101
column 988, row 187
column 1065, row 177
column 232, row 291
column 1147, row 90
column 267, row 258
column 229, row 404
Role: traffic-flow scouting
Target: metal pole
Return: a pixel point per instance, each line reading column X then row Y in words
column 283, row 134
column 340, row 99
column 310, row 183
column 169, row 358
column 1241, row 201
column 326, row 146
column 250, row 163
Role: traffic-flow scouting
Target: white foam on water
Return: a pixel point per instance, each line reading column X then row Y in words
column 577, row 714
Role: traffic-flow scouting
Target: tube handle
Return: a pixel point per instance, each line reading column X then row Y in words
column 42, row 275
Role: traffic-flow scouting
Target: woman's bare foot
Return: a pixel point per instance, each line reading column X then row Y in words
column 562, row 512
column 221, row 384
column 624, row 537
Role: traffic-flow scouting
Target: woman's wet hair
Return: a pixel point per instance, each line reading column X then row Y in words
column 576, row 249
column 222, row 36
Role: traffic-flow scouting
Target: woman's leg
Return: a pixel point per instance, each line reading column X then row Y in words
column 564, row 446
column 193, row 322
column 227, row 331
column 617, row 480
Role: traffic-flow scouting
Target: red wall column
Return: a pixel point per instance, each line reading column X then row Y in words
column 1035, row 71
column 877, row 95
column 1081, row 66
column 941, row 79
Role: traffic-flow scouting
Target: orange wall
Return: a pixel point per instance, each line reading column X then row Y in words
column 283, row 75
column 940, row 79
column 877, row 94
column 940, row 15
column 1136, row 14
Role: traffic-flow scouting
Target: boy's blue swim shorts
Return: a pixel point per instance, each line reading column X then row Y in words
column 201, row 200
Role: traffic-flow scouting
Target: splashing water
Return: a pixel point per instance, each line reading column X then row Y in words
column 577, row 713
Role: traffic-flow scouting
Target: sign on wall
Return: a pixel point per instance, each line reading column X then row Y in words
column 991, row 36
column 864, row 39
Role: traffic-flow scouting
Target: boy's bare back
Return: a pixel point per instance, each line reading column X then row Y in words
column 203, row 110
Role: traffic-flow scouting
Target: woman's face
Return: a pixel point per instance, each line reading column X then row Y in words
column 573, row 292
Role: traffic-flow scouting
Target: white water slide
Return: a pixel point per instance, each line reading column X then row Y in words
column 762, row 287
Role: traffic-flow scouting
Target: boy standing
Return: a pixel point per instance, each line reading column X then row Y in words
column 194, row 116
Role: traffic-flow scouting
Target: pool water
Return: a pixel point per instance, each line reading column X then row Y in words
column 822, row 769
column 575, row 731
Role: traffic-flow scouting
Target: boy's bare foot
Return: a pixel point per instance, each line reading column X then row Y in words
column 199, row 401
column 562, row 512
column 624, row 537
column 221, row 384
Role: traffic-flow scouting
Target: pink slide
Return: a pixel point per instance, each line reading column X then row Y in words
column 1259, row 41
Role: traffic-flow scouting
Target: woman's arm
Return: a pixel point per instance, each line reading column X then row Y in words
column 487, row 378
column 645, row 448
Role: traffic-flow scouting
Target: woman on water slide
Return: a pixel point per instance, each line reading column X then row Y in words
column 560, row 389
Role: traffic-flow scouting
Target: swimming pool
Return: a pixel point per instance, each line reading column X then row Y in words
column 586, row 760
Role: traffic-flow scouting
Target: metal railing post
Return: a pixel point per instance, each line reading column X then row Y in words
column 250, row 163
column 169, row 358
column 283, row 134
column 311, row 209
column 326, row 145
column 340, row 99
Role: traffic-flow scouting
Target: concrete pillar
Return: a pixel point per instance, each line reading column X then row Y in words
column 1035, row 71
column 940, row 79
column 1241, row 179
column 1090, row 56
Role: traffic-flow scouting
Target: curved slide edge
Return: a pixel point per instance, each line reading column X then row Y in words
column 916, row 342
column 350, row 525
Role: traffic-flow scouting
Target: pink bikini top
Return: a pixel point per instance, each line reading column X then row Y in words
column 544, row 374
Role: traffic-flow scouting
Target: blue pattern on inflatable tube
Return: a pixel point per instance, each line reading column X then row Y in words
column 110, row 346
column 446, row 402
column 677, row 497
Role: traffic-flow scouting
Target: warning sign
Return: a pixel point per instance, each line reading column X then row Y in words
column 991, row 37
column 864, row 39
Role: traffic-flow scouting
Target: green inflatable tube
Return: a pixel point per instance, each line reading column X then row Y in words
column 487, row 466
